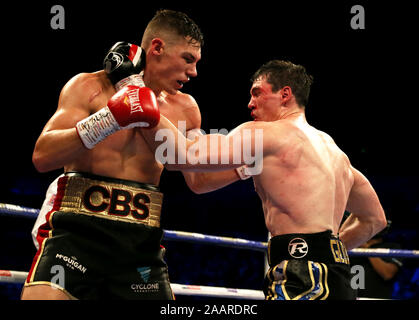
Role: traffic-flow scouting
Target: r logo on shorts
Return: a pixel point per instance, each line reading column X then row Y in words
column 297, row 248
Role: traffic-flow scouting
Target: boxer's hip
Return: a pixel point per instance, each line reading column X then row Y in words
column 320, row 247
column 94, row 212
column 307, row 267
column 102, row 230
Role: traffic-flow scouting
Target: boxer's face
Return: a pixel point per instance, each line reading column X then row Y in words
column 264, row 103
column 176, row 65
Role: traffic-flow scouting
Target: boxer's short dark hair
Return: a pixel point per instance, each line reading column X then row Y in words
column 179, row 23
column 281, row 73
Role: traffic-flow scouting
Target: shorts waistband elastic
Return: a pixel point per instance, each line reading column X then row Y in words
column 109, row 198
column 321, row 247
column 131, row 183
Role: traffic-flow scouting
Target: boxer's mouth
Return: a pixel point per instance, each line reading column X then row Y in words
column 252, row 113
column 182, row 82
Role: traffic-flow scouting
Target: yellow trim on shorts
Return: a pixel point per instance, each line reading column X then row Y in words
column 282, row 281
column 323, row 276
column 310, row 271
column 325, row 282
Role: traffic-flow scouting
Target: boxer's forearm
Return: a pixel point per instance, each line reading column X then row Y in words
column 367, row 215
column 203, row 182
column 354, row 232
column 56, row 148
column 190, row 155
column 358, row 229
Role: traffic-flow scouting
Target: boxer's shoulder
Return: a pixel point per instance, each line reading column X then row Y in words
column 87, row 87
column 181, row 106
column 183, row 100
column 85, row 81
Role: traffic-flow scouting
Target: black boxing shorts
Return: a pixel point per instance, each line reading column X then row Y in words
column 101, row 240
column 312, row 266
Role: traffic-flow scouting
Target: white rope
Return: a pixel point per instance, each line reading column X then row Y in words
column 10, row 276
column 216, row 292
column 13, row 276
column 10, row 210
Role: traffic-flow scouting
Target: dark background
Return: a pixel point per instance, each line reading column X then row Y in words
column 364, row 96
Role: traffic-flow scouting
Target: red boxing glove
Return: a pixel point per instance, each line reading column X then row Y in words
column 130, row 107
column 133, row 106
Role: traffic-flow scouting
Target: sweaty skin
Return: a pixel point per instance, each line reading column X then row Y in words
column 306, row 183
column 125, row 154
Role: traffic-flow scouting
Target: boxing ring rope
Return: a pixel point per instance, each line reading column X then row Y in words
column 10, row 276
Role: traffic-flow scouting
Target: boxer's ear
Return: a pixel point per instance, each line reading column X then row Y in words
column 286, row 93
column 157, row 46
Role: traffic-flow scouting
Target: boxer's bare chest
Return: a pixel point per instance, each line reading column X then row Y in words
column 126, row 153
column 170, row 106
column 174, row 110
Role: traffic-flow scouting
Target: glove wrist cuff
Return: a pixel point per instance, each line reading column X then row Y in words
column 132, row 80
column 97, row 127
column 241, row 171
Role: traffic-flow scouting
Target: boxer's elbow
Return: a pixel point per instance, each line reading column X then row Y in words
column 198, row 188
column 377, row 222
column 41, row 156
column 195, row 182
column 381, row 221
column 39, row 162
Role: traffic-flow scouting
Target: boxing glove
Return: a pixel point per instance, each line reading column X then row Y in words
column 123, row 63
column 130, row 107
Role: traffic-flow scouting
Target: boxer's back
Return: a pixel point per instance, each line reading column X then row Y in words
column 305, row 185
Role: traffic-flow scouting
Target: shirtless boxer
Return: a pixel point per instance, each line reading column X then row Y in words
column 104, row 228
column 305, row 186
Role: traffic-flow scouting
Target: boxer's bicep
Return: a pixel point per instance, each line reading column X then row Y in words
column 367, row 215
column 360, row 193
column 73, row 106
column 363, row 201
column 65, row 118
column 59, row 142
